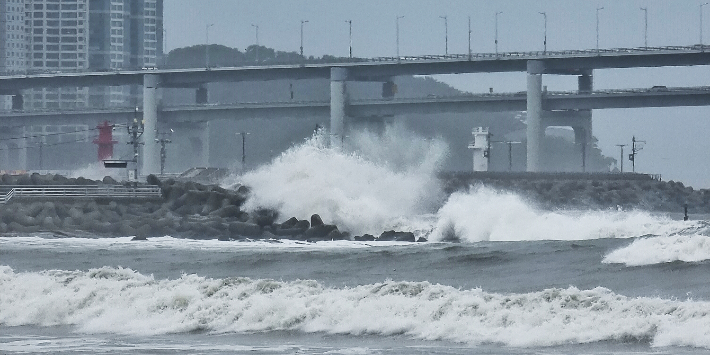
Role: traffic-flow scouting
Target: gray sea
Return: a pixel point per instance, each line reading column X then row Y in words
column 498, row 275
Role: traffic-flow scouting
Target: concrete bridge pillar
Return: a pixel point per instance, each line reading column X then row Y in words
column 201, row 96
column 535, row 131
column 151, row 149
column 338, row 104
column 583, row 131
column 18, row 102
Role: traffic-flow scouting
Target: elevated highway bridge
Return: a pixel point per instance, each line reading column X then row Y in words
column 538, row 104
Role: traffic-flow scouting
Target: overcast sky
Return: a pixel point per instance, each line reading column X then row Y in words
column 677, row 138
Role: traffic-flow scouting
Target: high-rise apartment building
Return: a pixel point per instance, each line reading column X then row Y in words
column 123, row 34
column 13, row 41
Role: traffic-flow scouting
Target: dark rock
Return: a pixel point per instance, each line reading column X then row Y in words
column 109, row 180
column 396, row 236
column 230, row 211
column 422, row 240
column 365, row 238
column 244, row 229
column 316, row 220
column 265, row 217
column 152, row 180
column 319, row 232
column 139, row 238
column 290, row 223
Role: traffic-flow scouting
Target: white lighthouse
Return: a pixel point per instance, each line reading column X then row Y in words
column 481, row 146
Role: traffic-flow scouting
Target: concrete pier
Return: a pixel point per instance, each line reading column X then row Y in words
column 151, row 149
column 535, row 131
column 338, row 105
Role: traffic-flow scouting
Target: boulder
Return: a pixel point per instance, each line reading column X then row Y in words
column 319, row 232
column 316, row 220
column 365, row 238
column 244, row 229
column 396, row 236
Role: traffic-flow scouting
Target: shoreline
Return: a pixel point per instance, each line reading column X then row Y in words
column 196, row 211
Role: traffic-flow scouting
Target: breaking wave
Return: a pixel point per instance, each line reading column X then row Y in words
column 483, row 214
column 117, row 300
column 690, row 245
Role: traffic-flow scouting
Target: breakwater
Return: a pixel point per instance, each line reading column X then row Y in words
column 192, row 210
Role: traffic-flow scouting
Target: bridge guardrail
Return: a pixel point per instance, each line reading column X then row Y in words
column 336, row 60
column 74, row 191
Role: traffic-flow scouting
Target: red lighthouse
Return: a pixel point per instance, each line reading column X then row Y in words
column 105, row 141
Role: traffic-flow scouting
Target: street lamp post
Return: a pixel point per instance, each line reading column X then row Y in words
column 544, row 42
column 598, row 9
column 702, row 48
column 207, row 44
column 469, row 38
column 496, row 32
column 446, row 34
column 645, row 26
column 398, row 17
column 256, row 27
column 350, row 24
column 302, row 22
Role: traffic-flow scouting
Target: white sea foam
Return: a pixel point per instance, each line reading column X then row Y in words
column 483, row 214
column 662, row 249
column 115, row 300
column 362, row 189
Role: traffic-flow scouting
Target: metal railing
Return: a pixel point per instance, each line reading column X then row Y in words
column 416, row 58
column 74, row 191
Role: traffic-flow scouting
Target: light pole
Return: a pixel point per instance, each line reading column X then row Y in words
column 244, row 155
column 544, row 42
column 645, row 26
column 163, row 152
column 256, row 27
column 446, row 33
column 398, row 17
column 350, row 24
column 598, row 9
column 469, row 38
column 636, row 146
column 702, row 48
column 207, row 44
column 302, row 22
column 621, row 157
column 496, row 33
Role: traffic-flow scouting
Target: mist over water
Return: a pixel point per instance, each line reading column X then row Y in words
column 367, row 187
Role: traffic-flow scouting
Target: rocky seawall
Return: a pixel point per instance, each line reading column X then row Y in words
column 192, row 210
column 590, row 191
column 186, row 210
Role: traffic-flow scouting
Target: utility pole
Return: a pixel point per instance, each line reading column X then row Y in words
column 636, row 146
column 621, row 157
column 135, row 131
column 163, row 153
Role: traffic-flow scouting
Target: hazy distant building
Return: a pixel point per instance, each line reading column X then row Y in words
column 13, row 41
column 124, row 34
